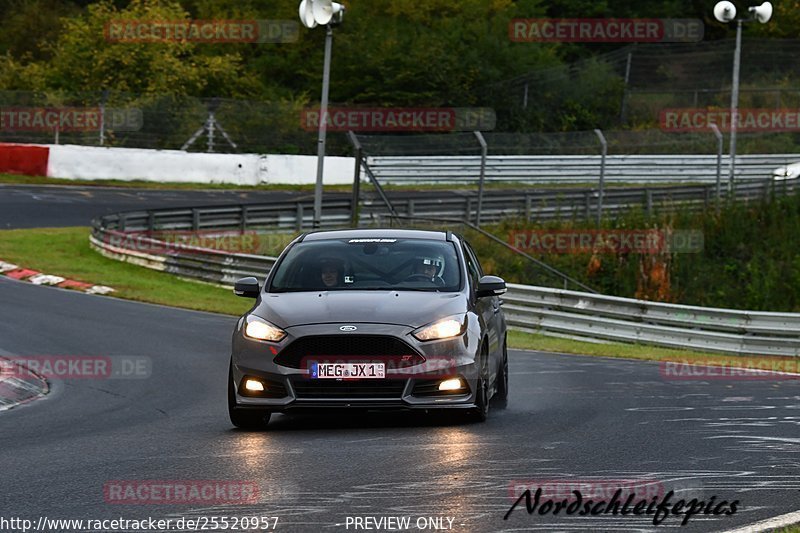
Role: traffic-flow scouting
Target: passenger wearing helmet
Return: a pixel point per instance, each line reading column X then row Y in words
column 428, row 268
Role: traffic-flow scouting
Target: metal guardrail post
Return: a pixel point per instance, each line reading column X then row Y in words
column 525, row 97
column 587, row 202
column 103, row 101
column 720, row 147
column 484, row 152
column 624, row 104
column 299, row 218
column 211, row 121
column 737, row 61
column 378, row 188
column 528, row 202
column 356, row 179
column 600, row 191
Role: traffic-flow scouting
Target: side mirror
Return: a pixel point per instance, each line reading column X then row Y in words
column 490, row 286
column 247, row 288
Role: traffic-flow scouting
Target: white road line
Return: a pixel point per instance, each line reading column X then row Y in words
column 769, row 524
column 757, row 437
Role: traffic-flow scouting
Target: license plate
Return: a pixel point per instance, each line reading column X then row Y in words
column 348, row 371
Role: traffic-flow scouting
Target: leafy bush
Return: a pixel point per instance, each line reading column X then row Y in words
column 750, row 258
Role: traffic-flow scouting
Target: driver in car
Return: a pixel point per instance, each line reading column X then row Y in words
column 331, row 273
column 428, row 267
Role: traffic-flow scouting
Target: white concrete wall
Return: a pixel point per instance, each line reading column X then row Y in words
column 302, row 169
column 92, row 162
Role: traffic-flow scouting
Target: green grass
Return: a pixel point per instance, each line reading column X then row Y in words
column 66, row 252
column 529, row 341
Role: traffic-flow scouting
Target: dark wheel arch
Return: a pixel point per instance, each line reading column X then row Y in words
column 480, row 412
column 500, row 397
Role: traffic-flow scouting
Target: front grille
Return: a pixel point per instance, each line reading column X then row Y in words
column 349, row 348
column 334, row 389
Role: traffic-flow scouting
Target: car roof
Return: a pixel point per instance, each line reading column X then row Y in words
column 377, row 233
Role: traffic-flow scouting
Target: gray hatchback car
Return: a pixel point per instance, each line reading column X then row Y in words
column 370, row 319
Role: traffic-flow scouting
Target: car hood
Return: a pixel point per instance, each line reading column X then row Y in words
column 405, row 308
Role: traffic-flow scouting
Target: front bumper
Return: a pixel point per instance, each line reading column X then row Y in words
column 410, row 386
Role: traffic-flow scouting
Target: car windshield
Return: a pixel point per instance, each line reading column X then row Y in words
column 369, row 264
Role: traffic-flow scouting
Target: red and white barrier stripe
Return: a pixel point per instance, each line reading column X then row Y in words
column 27, row 159
column 38, row 278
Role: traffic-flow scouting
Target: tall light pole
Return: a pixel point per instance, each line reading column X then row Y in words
column 324, row 13
column 725, row 11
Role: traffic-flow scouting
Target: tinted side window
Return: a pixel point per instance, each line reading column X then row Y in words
column 474, row 258
column 472, row 267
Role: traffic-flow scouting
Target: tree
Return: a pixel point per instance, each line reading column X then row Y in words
column 83, row 59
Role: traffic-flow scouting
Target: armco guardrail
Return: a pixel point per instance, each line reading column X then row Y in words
column 551, row 169
column 497, row 205
column 579, row 203
column 627, row 320
column 528, row 308
column 212, row 266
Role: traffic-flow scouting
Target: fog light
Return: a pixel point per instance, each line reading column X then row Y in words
column 451, row 384
column 253, row 385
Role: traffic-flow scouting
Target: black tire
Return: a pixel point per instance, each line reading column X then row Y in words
column 480, row 412
column 244, row 418
column 501, row 394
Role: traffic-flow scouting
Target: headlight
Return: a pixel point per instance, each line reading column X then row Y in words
column 443, row 329
column 259, row 329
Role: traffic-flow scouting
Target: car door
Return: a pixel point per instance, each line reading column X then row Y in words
column 488, row 307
